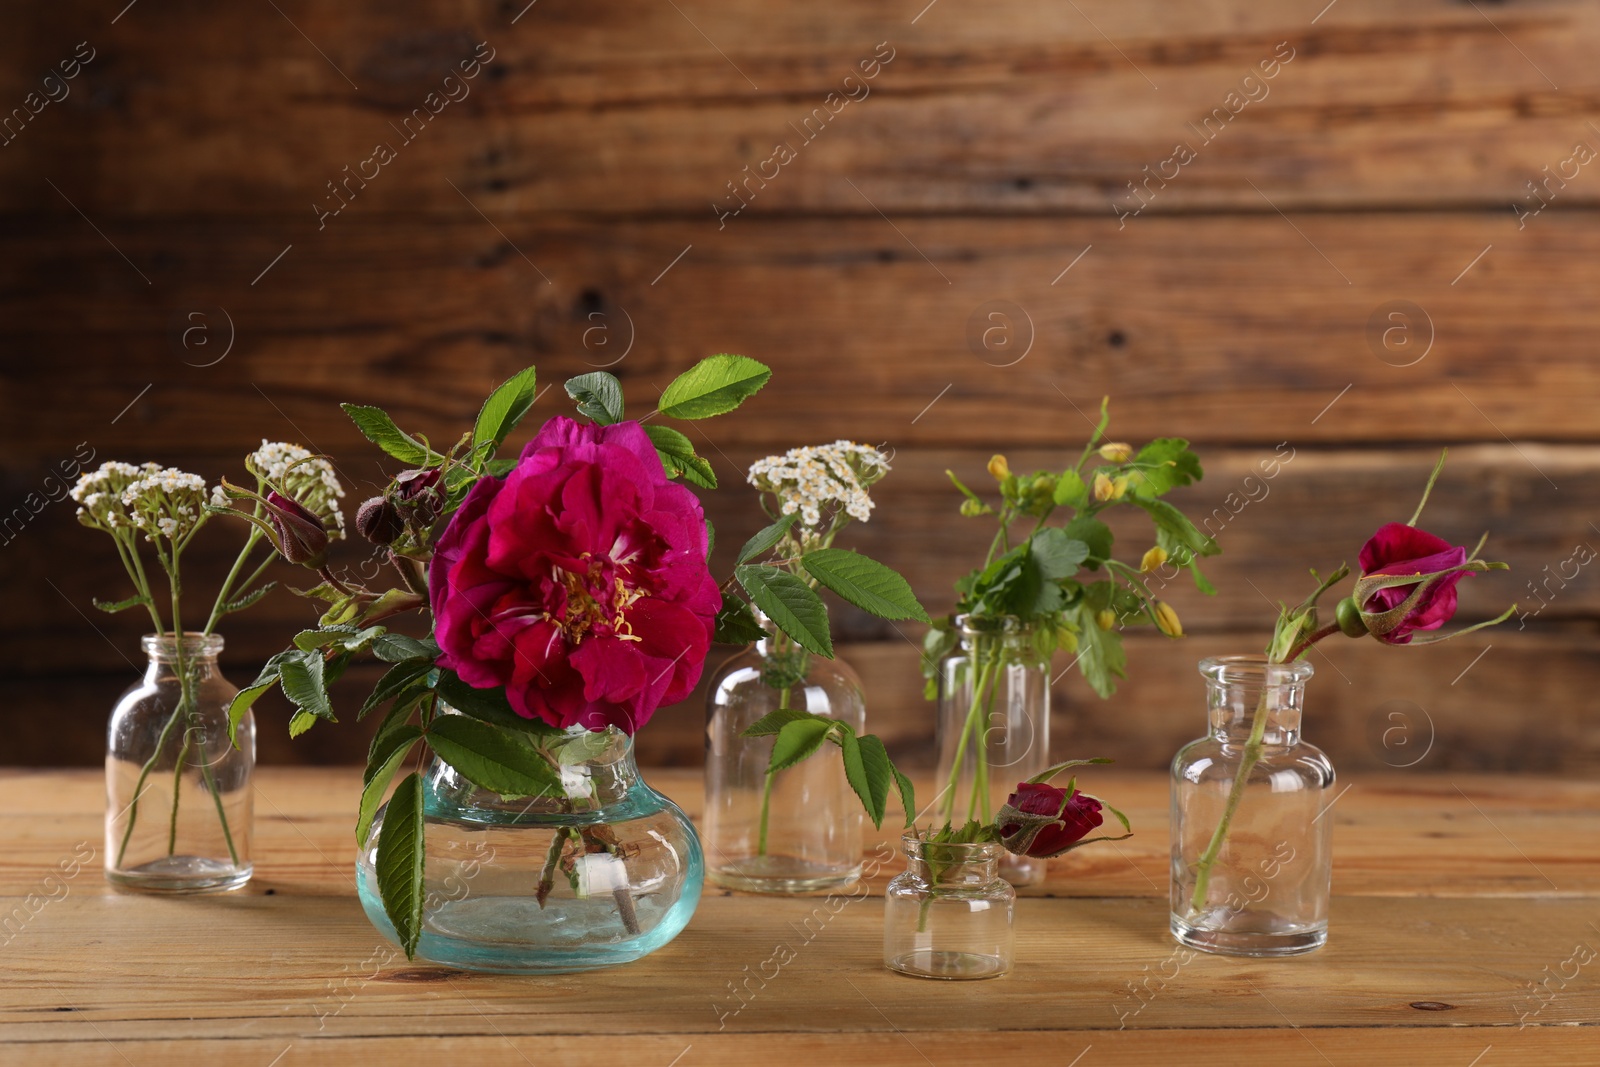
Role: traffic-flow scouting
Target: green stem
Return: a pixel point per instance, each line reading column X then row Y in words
column 227, row 583
column 144, row 773
column 177, row 783
column 1252, row 756
column 766, row 789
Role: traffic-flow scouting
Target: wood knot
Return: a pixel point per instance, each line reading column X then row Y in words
column 419, row 974
column 1432, row 1005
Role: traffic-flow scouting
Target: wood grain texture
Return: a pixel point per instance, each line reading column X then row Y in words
column 1421, row 966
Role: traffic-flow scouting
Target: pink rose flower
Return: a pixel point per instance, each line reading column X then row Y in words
column 1397, row 549
column 578, row 583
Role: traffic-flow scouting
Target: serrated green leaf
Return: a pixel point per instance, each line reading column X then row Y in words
column 240, row 603
column 1057, row 554
column 377, row 779
column 798, row 740
column 770, row 723
column 344, row 636
column 599, row 396
column 714, row 386
column 397, row 648
column 400, row 859
column 1165, row 464
column 376, row 425
column 487, row 705
column 735, row 623
column 1101, row 658
column 1175, row 532
column 240, row 705
column 492, row 757
column 867, row 768
column 908, row 795
column 864, row 582
column 111, row 608
column 677, row 456
column 504, row 408
column 766, row 538
column 1070, row 490
column 300, row 723
column 301, row 677
column 792, row 605
column 409, row 675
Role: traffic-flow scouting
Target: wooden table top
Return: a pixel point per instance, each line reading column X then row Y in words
column 1465, row 931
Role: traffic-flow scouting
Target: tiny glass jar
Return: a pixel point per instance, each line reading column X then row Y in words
column 1252, row 850
column 949, row 914
column 993, row 727
column 799, row 830
column 178, row 793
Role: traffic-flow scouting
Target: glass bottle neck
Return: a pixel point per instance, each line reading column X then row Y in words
column 196, row 653
column 1250, row 700
column 989, row 632
column 952, row 865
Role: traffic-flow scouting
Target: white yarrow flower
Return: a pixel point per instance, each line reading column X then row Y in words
column 822, row 478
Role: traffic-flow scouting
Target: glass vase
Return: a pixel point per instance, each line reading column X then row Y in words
column 949, row 914
column 602, row 874
column 1252, row 854
column 798, row 830
column 178, row 793
column 993, row 727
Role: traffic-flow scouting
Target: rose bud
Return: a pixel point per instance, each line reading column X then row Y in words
column 379, row 521
column 1392, row 611
column 1039, row 820
column 414, row 483
column 301, row 536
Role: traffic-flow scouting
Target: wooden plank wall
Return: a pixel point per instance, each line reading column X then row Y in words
column 1213, row 212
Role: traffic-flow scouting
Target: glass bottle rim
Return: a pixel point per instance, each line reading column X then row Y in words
column 195, row 643
column 953, row 853
column 1254, row 670
column 974, row 624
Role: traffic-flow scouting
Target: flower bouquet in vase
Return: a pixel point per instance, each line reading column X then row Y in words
column 1252, row 851
column 570, row 597
column 1045, row 586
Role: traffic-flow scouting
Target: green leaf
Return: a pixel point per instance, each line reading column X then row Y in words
column 864, row 582
column 792, row 605
column 487, row 705
column 504, row 409
column 770, row 723
column 240, row 603
column 301, row 678
column 240, row 705
column 765, row 539
column 300, row 723
column 399, row 861
column 867, row 768
column 397, row 648
column 798, row 740
column 377, row 779
column 1100, row 654
column 376, row 425
column 121, row 605
column 678, row 457
column 599, row 396
column 1056, row 554
column 711, row 540
column 1094, row 533
column 1175, row 531
column 1050, row 772
column 345, row 636
column 1070, row 490
column 908, row 795
column 409, row 675
column 736, row 624
column 714, row 386
column 492, row 757
column 1165, row 464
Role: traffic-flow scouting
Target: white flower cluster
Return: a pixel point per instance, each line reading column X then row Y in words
column 99, row 493
column 818, row 478
column 307, row 478
column 165, row 501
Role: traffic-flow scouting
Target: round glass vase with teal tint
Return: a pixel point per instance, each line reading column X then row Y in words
column 603, row 873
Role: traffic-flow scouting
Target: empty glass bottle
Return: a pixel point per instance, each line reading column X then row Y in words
column 178, row 793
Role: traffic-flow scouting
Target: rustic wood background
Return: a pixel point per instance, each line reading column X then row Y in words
column 565, row 213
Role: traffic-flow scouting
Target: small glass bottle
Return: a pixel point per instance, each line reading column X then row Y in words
column 1256, row 883
column 178, row 793
column 993, row 727
column 799, row 830
column 949, row 914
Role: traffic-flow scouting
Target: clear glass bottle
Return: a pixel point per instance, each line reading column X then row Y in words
column 178, row 793
column 993, row 727
column 798, row 830
column 949, row 914
column 603, row 874
column 1255, row 883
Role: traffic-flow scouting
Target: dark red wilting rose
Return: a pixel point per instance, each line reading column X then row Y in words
column 578, row 582
column 302, row 537
column 1398, row 549
column 1034, row 823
